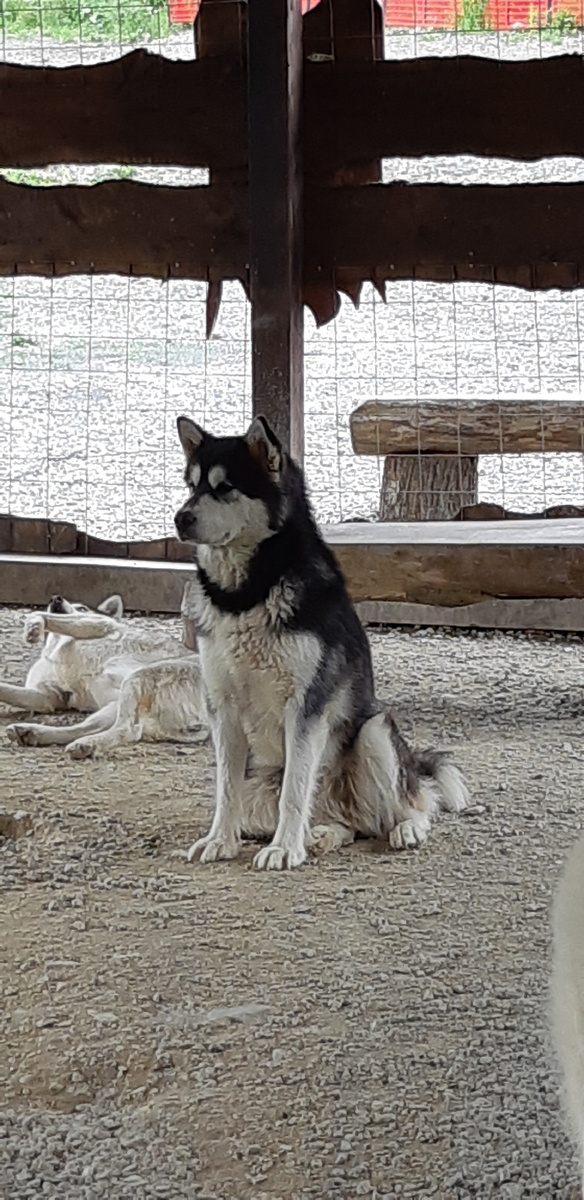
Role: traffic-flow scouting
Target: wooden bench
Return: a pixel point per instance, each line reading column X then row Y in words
column 432, row 446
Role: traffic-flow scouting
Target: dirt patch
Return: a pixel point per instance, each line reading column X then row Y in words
column 372, row 1025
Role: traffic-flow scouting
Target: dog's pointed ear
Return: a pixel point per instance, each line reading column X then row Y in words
column 112, row 607
column 191, row 436
column 265, row 448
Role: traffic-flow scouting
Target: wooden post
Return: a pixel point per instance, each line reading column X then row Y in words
column 275, row 197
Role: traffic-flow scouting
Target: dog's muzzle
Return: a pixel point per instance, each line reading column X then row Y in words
column 56, row 605
column 186, row 525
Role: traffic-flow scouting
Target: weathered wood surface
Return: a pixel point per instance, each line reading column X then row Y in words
column 394, row 226
column 125, row 227
column 276, row 215
column 511, row 425
column 143, row 108
column 376, row 232
column 38, row 535
column 455, row 563
column 427, row 488
column 462, row 105
column 447, row 563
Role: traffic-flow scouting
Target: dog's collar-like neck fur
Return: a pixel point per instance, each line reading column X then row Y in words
column 254, row 574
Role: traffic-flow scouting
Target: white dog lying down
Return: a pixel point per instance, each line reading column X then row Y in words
column 568, row 990
column 136, row 683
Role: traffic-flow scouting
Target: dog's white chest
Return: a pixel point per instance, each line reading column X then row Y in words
column 249, row 660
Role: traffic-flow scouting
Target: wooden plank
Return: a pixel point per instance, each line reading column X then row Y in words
column 484, row 425
column 275, row 203
column 143, row 108
column 450, row 563
column 443, row 563
column 144, row 586
column 400, row 225
column 560, row 615
column 462, row 105
column 138, row 109
column 118, row 226
column 375, row 232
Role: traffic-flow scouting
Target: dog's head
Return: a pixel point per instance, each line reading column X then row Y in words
column 112, row 607
column 237, row 485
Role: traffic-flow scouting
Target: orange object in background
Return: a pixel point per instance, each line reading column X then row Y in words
column 496, row 14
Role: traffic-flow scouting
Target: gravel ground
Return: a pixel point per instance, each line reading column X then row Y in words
column 372, row 1025
column 93, row 371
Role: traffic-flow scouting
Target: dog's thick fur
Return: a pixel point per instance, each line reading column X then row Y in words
column 568, row 990
column 135, row 683
column 305, row 753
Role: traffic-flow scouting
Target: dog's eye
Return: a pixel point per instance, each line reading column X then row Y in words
column 223, row 489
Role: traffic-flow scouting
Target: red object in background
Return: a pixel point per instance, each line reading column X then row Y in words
column 183, row 12
column 499, row 14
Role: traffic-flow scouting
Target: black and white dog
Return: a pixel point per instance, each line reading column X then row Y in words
column 306, row 755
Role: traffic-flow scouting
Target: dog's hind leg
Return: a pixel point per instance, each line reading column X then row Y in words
column 385, row 793
column 61, row 735
column 49, row 699
column 157, row 701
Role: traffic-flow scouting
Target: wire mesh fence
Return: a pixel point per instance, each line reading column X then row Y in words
column 94, row 369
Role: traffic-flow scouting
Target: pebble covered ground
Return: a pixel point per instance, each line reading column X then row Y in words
column 372, row 1025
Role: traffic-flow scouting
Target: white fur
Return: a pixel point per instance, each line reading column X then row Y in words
column 135, row 683
column 568, row 990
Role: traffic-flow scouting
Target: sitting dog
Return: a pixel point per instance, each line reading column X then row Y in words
column 134, row 683
column 568, row 991
column 305, row 753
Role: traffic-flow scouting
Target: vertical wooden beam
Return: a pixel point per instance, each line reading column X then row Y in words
column 275, row 196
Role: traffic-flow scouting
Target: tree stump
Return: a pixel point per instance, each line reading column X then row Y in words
column 427, row 487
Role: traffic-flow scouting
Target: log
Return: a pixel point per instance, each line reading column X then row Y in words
column 432, row 488
column 486, row 425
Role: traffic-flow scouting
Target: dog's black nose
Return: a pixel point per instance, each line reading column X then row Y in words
column 56, row 604
column 185, row 524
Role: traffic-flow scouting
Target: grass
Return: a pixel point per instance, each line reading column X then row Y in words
column 472, row 16
column 85, row 20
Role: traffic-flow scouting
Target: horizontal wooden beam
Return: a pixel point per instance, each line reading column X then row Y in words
column 526, row 110
column 513, row 425
column 143, row 586
column 396, row 228
column 446, row 563
column 123, row 227
column 143, row 108
column 528, row 236
column 451, row 563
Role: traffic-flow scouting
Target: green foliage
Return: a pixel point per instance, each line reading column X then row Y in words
column 85, row 20
column 472, row 16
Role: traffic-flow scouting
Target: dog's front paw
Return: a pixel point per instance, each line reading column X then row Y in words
column 408, row 835
column 82, row 748
column 34, row 628
column 279, row 858
column 21, row 735
column 208, row 849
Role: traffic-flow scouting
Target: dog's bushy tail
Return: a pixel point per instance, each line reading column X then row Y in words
column 435, row 767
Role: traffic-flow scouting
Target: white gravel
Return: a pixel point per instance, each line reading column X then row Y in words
column 374, row 1025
